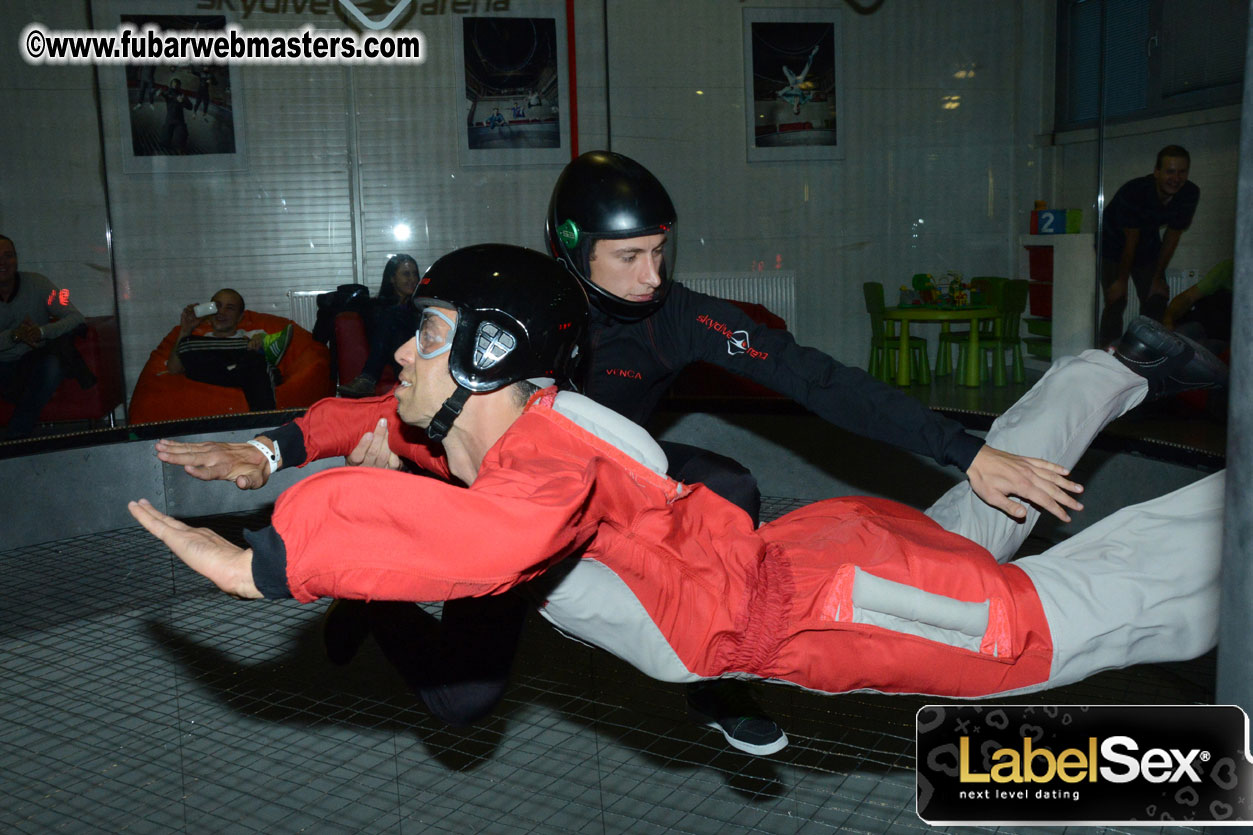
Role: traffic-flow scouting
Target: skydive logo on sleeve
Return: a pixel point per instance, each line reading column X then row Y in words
column 1016, row 764
column 737, row 341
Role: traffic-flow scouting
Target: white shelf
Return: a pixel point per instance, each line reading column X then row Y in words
column 1074, row 289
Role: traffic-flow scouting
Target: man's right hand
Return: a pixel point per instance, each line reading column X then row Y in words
column 187, row 321
column 205, row 552
column 213, row 461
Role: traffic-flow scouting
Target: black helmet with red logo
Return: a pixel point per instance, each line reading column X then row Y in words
column 520, row 316
column 606, row 196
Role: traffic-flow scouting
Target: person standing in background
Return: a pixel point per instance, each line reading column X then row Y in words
column 1132, row 246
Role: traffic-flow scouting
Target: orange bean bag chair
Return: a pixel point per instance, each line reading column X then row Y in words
column 160, row 395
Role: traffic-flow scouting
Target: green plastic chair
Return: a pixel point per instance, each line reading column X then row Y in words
column 885, row 342
column 993, row 288
column 1007, row 335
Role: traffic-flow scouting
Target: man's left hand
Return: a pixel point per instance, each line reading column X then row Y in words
column 996, row 475
column 373, row 450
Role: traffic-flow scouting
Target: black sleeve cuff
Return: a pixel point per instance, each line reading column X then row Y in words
column 291, row 442
column 269, row 563
column 964, row 449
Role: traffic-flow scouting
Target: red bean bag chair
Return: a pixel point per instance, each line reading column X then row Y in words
column 160, row 395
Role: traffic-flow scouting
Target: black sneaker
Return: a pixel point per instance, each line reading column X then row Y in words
column 726, row 706
column 345, row 626
column 1170, row 361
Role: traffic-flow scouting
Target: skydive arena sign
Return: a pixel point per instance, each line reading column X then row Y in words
column 1099, row 764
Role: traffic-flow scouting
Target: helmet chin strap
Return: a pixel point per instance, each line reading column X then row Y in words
column 442, row 422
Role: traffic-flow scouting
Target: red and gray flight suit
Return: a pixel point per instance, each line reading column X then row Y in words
column 844, row 594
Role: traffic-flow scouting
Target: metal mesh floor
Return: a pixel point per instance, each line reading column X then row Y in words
column 136, row 698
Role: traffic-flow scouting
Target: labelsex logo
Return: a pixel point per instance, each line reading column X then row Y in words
column 1039, row 765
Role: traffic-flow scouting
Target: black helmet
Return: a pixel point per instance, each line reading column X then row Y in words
column 520, row 316
column 603, row 195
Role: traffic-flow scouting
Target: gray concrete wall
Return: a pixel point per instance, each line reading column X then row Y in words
column 55, row 495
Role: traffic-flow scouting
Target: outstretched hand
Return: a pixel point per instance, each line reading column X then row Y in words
column 214, row 461
column 205, row 552
column 373, row 450
column 996, row 475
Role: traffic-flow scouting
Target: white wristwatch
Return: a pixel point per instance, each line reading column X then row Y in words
column 274, row 457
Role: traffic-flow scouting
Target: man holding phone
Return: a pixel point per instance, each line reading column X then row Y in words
column 227, row 355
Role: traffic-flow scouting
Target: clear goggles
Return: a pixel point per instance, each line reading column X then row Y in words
column 435, row 330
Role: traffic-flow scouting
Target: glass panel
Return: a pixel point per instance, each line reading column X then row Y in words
column 942, row 119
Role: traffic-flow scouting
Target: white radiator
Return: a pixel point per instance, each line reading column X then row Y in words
column 304, row 306
column 773, row 289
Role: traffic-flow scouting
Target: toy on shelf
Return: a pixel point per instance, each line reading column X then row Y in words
column 924, row 286
column 1056, row 221
column 955, row 292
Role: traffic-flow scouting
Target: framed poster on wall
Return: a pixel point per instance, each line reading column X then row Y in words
column 513, row 75
column 791, row 84
column 173, row 117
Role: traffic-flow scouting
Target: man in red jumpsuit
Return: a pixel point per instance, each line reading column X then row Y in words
column 844, row 594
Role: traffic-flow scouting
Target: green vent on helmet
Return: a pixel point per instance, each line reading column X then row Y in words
column 568, row 231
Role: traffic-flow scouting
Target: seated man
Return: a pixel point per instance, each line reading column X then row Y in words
column 844, row 594
column 37, row 329
column 227, row 355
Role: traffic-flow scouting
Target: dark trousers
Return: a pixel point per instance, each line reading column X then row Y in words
column 228, row 362
column 33, row 378
column 29, row 382
column 174, row 135
column 1153, row 306
column 459, row 663
column 1209, row 321
column 726, row 477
